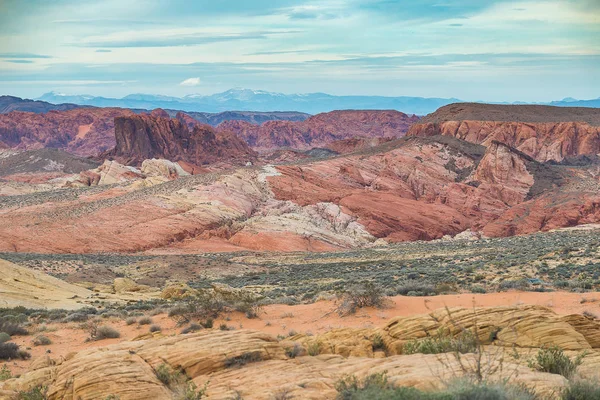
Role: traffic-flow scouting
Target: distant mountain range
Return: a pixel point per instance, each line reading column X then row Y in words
column 258, row 100
column 253, row 101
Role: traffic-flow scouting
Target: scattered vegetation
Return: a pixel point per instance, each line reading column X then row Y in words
column 376, row 386
column 464, row 342
column 35, row 393
column 581, row 390
column 100, row 332
column 145, row 321
column 208, row 304
column 42, row 340
column 5, row 373
column 12, row 351
column 243, row 359
column 359, row 296
column 178, row 382
column 555, row 361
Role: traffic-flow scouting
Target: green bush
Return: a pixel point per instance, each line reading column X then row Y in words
column 5, row 373
column 555, row 361
column 376, row 387
column 9, row 351
column 106, row 332
column 36, row 393
column 4, row 337
column 145, row 321
column 465, row 342
column 42, row 340
column 169, row 376
column 13, row 329
column 359, row 296
column 581, row 390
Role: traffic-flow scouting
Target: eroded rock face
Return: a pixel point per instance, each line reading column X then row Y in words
column 321, row 129
column 128, row 369
column 82, row 131
column 423, row 190
column 544, row 133
column 143, row 137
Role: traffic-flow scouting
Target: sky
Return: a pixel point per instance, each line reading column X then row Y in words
column 493, row 50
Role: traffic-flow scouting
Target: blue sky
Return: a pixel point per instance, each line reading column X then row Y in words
column 495, row 50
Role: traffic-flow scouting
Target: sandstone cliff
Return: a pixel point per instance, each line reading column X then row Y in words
column 144, row 137
column 542, row 132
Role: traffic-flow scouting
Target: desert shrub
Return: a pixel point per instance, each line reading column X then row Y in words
column 5, row 373
column 191, row 392
column 192, row 328
column 77, row 317
column 465, row 342
column 555, row 361
column 207, row 323
column 359, row 296
column 314, row 348
column 42, row 340
column 13, row 329
column 105, row 332
column 478, row 289
column 294, row 351
column 4, row 337
column 169, row 376
column 23, row 354
column 145, row 321
column 581, row 390
column 377, row 387
column 519, row 284
column 469, row 390
column 131, row 320
column 35, row 393
column 243, row 359
column 415, row 288
column 155, row 328
column 208, row 304
column 377, row 342
column 9, row 351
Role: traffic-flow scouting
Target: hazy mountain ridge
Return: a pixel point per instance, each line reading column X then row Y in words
column 258, row 100
column 263, row 101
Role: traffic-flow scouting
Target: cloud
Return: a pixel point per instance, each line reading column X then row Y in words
column 23, row 55
column 270, row 53
column 103, row 51
column 191, row 82
column 19, row 61
column 181, row 39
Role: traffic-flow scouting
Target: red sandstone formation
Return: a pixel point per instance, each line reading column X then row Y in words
column 321, row 129
column 142, row 137
column 542, row 132
column 82, row 131
column 422, row 190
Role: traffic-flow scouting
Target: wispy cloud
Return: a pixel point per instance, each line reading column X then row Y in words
column 190, row 82
column 20, row 61
column 179, row 39
column 103, row 51
column 23, row 55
